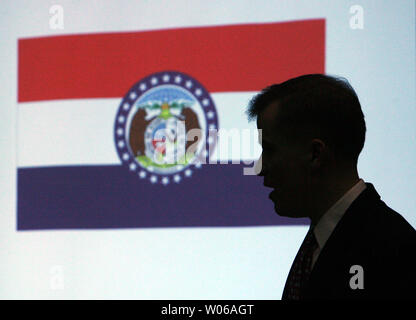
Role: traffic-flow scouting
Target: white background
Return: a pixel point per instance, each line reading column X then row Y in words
column 206, row 263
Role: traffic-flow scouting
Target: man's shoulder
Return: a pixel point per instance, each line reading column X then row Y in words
column 368, row 217
column 378, row 222
column 370, row 232
column 394, row 222
column 376, row 238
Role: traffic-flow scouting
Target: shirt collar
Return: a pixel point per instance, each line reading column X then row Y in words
column 329, row 220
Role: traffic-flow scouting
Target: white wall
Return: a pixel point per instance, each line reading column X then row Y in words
column 206, row 263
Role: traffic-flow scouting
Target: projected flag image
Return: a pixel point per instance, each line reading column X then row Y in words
column 122, row 129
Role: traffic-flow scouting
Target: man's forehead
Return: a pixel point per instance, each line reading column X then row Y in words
column 267, row 118
column 266, row 123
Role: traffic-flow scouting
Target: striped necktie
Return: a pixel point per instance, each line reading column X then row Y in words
column 301, row 269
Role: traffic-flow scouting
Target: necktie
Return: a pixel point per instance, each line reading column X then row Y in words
column 301, row 269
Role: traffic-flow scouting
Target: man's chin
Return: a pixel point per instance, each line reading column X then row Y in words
column 287, row 213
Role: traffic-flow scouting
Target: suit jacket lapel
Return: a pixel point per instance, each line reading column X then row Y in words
column 329, row 267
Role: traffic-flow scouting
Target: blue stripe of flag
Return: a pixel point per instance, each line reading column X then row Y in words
column 92, row 197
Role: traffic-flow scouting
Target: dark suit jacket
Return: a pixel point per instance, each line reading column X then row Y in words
column 377, row 238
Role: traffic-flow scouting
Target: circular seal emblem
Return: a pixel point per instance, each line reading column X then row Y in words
column 162, row 126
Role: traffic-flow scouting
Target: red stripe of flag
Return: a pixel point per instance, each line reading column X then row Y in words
column 223, row 58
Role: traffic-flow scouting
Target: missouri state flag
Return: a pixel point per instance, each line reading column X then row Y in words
column 100, row 117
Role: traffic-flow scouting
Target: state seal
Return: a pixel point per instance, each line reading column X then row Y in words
column 162, row 126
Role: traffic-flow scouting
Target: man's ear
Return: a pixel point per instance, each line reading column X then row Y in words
column 317, row 152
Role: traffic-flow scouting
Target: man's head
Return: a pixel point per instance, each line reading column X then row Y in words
column 313, row 131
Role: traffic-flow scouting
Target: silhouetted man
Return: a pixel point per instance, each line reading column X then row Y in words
column 313, row 131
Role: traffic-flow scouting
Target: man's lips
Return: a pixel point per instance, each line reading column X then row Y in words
column 272, row 194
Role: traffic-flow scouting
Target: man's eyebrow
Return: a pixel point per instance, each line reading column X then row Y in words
column 266, row 142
